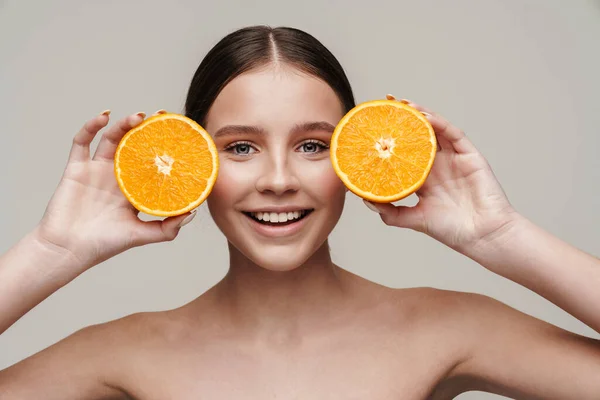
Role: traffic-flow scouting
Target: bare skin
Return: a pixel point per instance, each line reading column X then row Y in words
column 286, row 322
column 383, row 344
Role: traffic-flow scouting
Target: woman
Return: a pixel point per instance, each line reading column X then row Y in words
column 286, row 322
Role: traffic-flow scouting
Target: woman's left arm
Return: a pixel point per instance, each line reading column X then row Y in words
column 462, row 205
column 538, row 260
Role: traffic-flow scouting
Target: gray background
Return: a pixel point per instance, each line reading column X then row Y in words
column 520, row 77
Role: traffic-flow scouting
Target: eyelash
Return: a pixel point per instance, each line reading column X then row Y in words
column 231, row 147
column 319, row 143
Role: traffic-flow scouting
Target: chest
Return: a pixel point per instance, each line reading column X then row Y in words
column 368, row 371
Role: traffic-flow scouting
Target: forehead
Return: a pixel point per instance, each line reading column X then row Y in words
column 273, row 98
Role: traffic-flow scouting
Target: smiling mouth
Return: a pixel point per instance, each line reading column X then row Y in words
column 278, row 219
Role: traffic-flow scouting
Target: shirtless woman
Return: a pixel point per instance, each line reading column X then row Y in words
column 286, row 322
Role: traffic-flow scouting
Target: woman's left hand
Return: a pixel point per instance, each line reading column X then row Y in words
column 461, row 204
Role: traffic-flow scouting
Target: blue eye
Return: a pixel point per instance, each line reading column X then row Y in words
column 240, row 148
column 313, row 146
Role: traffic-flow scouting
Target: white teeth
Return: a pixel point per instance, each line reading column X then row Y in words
column 277, row 217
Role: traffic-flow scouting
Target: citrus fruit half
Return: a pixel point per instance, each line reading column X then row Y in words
column 167, row 165
column 383, row 150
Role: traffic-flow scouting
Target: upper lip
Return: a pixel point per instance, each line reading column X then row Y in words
column 277, row 209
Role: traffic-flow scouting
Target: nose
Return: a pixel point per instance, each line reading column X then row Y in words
column 278, row 176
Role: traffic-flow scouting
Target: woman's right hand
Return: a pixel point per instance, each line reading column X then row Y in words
column 88, row 217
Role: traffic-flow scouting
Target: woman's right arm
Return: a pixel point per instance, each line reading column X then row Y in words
column 87, row 221
column 30, row 272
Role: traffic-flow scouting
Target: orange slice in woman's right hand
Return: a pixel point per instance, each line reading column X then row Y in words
column 167, row 165
column 383, row 150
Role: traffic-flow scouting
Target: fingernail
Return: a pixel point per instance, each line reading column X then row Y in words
column 390, row 97
column 371, row 206
column 161, row 111
column 141, row 114
column 187, row 219
column 105, row 112
column 426, row 114
column 405, row 101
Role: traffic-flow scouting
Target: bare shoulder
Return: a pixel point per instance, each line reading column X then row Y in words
column 425, row 307
column 441, row 306
column 452, row 307
column 469, row 315
column 502, row 350
column 434, row 296
column 441, row 323
column 88, row 364
column 466, row 321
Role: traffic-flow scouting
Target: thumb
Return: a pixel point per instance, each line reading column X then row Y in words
column 400, row 216
column 162, row 231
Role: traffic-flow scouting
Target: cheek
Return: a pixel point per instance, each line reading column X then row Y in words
column 233, row 182
column 323, row 183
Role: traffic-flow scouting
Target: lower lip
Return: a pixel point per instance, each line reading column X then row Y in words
column 278, row 231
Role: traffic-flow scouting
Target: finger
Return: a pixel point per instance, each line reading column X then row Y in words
column 161, row 231
column 448, row 135
column 161, row 111
column 392, row 97
column 400, row 216
column 451, row 136
column 80, row 150
column 443, row 143
column 112, row 137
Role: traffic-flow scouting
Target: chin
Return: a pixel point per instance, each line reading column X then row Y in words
column 283, row 264
column 280, row 258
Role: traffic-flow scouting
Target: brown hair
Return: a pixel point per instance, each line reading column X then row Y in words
column 256, row 46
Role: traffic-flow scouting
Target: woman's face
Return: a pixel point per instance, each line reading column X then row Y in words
column 277, row 197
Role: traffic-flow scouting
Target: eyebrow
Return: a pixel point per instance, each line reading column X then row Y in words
column 313, row 126
column 237, row 129
column 255, row 130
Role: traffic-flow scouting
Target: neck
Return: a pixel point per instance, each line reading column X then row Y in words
column 261, row 299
